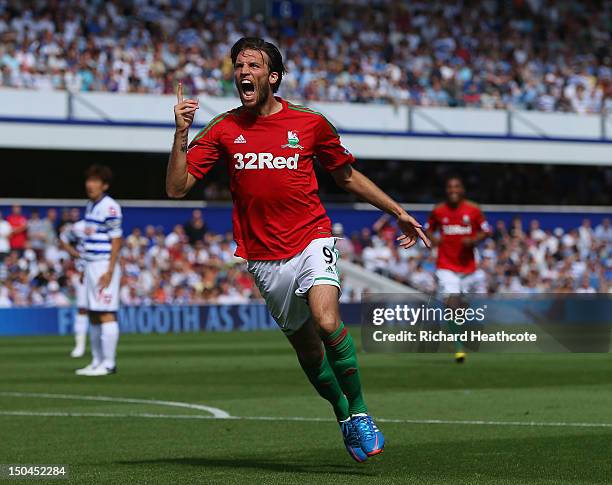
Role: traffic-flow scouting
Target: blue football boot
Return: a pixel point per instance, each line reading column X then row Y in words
column 371, row 439
column 352, row 441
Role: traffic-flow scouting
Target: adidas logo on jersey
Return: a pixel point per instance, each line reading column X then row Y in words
column 259, row 161
column 240, row 139
column 329, row 269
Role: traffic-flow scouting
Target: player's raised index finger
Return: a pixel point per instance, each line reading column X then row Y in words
column 179, row 92
column 424, row 238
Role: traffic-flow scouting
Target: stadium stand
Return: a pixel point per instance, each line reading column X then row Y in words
column 161, row 267
column 537, row 54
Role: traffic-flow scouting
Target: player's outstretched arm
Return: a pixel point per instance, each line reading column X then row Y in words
column 357, row 183
column 178, row 180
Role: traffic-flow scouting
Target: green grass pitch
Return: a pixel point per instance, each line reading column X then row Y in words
column 255, row 375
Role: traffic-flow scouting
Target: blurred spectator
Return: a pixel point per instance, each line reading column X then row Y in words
column 37, row 234
column 585, row 286
column 54, row 296
column 19, row 225
column 422, row 280
column 175, row 237
column 136, row 241
column 195, row 228
column 535, row 232
column 343, row 245
column 603, row 231
column 5, row 234
column 49, row 228
column 64, row 220
column 500, row 233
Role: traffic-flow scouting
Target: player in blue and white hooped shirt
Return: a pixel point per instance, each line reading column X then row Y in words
column 102, row 272
column 72, row 239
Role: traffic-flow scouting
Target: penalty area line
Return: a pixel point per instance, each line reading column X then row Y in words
column 304, row 419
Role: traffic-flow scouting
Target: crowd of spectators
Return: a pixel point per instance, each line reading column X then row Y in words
column 526, row 54
column 191, row 265
column 186, row 265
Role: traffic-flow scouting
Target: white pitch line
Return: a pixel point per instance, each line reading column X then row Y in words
column 299, row 418
column 216, row 412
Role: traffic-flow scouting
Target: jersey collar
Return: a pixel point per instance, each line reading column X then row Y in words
column 457, row 207
column 274, row 116
column 93, row 204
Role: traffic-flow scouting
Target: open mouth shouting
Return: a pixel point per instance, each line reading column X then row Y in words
column 247, row 89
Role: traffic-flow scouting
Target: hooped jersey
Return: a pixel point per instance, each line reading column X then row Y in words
column 277, row 210
column 102, row 224
column 75, row 235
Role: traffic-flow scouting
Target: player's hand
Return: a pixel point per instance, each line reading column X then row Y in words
column 468, row 242
column 412, row 231
column 184, row 110
column 105, row 280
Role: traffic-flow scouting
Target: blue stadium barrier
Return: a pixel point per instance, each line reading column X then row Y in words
column 162, row 319
column 219, row 218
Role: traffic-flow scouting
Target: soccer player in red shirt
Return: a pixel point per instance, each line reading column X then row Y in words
column 461, row 226
column 280, row 225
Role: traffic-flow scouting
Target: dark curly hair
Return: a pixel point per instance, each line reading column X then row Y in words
column 101, row 172
column 275, row 58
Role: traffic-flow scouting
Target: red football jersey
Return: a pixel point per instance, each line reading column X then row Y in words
column 18, row 240
column 277, row 210
column 455, row 224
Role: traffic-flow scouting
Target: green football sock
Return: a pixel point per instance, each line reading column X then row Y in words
column 342, row 356
column 324, row 381
column 456, row 330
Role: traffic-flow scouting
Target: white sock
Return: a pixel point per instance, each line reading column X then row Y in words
column 95, row 339
column 81, row 322
column 110, row 337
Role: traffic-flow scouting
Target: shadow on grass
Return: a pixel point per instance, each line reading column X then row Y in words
column 262, row 464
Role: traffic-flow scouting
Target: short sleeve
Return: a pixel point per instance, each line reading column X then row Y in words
column 204, row 150
column 481, row 222
column 432, row 222
column 329, row 151
column 113, row 221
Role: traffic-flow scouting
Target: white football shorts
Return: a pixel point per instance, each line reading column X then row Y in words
column 453, row 283
column 284, row 283
column 101, row 300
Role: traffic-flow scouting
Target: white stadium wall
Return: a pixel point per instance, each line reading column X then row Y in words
column 143, row 123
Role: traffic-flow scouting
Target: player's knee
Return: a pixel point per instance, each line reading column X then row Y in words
column 327, row 323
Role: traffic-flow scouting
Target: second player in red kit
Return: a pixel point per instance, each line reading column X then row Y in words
column 460, row 226
column 280, row 225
